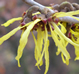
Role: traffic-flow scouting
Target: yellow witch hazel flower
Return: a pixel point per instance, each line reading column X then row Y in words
column 60, row 35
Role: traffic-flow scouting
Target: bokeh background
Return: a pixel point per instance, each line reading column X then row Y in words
column 8, row 50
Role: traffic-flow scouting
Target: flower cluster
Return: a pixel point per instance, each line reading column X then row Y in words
column 59, row 34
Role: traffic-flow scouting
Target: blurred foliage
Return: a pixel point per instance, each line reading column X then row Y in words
column 8, row 50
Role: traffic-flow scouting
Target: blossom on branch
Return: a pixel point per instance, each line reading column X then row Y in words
column 59, row 33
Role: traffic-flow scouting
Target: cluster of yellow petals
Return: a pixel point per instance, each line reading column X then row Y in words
column 42, row 42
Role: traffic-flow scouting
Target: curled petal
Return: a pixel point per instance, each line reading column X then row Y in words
column 64, row 60
column 77, row 53
column 59, row 44
column 76, row 34
column 58, row 51
column 67, row 39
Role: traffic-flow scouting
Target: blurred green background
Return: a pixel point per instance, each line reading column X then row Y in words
column 8, row 50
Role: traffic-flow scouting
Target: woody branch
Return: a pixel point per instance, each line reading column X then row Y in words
column 65, row 6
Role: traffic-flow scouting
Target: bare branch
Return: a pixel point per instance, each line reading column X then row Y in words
column 48, row 12
column 76, row 6
column 34, row 9
column 66, row 6
column 68, row 19
column 32, row 2
column 44, row 10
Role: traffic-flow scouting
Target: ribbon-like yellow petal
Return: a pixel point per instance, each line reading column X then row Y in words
column 67, row 39
column 76, row 48
column 24, row 39
column 37, row 50
column 60, row 46
column 63, row 14
column 73, row 12
column 76, row 34
column 58, row 51
column 11, row 21
column 45, row 51
column 77, row 53
column 64, row 61
column 63, row 29
column 46, row 57
column 40, row 42
column 36, row 13
column 7, row 36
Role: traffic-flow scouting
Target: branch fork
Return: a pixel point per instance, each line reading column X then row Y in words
column 65, row 6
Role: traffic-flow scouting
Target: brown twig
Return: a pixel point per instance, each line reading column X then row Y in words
column 63, row 6
column 69, row 19
column 32, row 2
column 41, row 7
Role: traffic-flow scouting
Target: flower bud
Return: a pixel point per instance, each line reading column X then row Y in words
column 23, row 23
column 44, row 21
column 56, row 20
column 43, row 28
column 52, row 27
column 72, row 25
column 69, row 35
column 24, row 13
column 34, row 17
column 49, row 19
